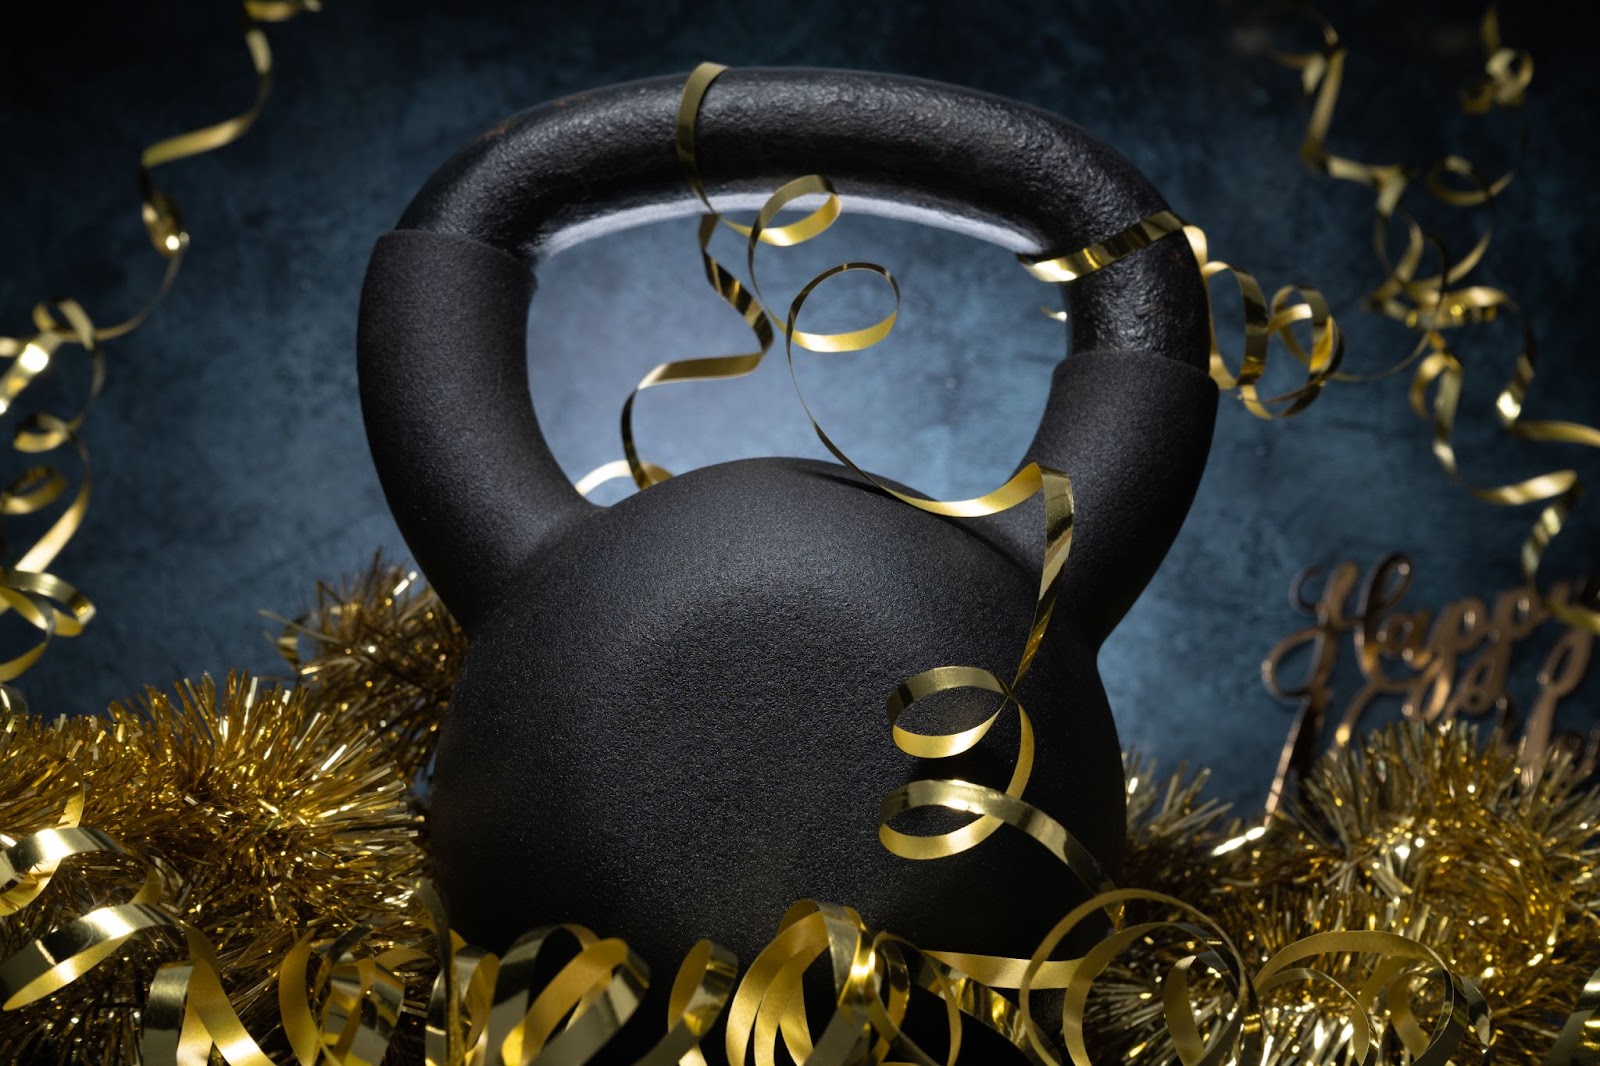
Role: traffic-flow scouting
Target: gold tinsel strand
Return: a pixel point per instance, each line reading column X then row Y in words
column 1417, row 831
column 382, row 650
column 268, row 817
column 277, row 813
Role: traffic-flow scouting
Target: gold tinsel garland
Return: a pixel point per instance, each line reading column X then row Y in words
column 380, row 656
column 1414, row 830
column 277, row 815
column 265, row 817
column 230, row 875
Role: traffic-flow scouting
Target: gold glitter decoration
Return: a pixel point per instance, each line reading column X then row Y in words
column 233, row 875
column 41, row 599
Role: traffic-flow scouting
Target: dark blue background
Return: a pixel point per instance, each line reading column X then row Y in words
column 231, row 469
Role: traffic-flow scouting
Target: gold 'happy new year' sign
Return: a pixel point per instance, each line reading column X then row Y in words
column 1441, row 665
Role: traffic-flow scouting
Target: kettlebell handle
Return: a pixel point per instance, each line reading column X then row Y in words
column 442, row 338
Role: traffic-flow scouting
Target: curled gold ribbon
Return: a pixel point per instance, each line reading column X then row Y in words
column 488, row 1010
column 1507, row 72
column 62, row 955
column 1053, row 486
column 1432, row 305
column 362, row 1000
column 28, row 865
column 1241, row 1033
column 188, row 1016
column 1462, row 1013
column 872, row 978
column 48, row 603
column 701, row 990
column 1263, row 320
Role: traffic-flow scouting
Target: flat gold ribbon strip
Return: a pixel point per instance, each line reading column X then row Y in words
column 188, row 1017
column 27, row 866
column 704, row 984
column 1579, row 1041
column 62, row 955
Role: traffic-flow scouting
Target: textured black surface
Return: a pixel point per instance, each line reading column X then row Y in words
column 444, row 385
column 687, row 688
column 461, row 456
column 889, row 144
column 231, row 464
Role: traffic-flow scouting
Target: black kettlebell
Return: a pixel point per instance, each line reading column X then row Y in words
column 671, row 720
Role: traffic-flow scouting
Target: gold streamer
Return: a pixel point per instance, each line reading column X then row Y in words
column 990, row 807
column 61, row 956
column 1579, row 1042
column 1521, row 852
column 1431, row 306
column 1263, row 321
column 1507, row 72
column 485, row 1010
column 48, row 603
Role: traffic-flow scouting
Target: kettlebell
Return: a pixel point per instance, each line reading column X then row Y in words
column 670, row 723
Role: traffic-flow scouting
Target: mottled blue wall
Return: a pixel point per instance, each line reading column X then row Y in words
column 231, row 469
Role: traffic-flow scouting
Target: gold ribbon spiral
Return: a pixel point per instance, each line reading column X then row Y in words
column 342, row 1003
column 1433, row 305
column 48, row 603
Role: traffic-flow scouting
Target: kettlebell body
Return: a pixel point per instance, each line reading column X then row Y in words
column 671, row 722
